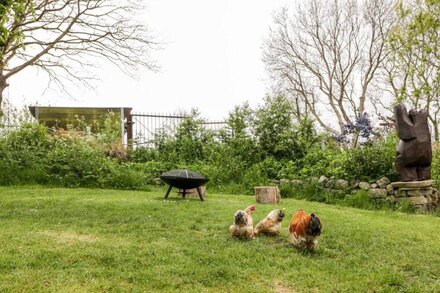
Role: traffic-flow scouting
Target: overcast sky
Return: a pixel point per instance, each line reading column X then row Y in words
column 211, row 60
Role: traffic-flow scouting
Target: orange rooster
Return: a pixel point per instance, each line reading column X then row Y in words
column 305, row 230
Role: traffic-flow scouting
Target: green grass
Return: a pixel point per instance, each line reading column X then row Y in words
column 87, row 240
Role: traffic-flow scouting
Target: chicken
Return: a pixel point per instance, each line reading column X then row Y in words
column 305, row 230
column 243, row 226
column 270, row 225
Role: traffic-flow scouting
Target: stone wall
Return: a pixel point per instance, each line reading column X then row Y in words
column 421, row 195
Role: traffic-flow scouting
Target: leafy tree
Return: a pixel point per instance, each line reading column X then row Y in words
column 61, row 37
column 240, row 142
column 413, row 68
column 274, row 128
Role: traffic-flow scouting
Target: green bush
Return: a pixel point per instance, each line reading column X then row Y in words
column 127, row 176
column 435, row 165
column 370, row 162
column 77, row 162
column 23, row 155
column 27, row 146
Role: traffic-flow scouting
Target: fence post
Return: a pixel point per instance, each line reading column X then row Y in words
column 129, row 127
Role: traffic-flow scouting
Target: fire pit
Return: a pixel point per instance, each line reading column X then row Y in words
column 184, row 179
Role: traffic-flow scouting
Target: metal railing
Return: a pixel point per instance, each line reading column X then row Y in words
column 146, row 126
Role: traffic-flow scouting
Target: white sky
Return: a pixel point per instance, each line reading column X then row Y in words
column 211, row 60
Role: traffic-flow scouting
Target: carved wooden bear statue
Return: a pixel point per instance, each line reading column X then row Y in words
column 414, row 152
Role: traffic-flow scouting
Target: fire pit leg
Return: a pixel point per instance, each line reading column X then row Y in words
column 199, row 190
column 168, row 192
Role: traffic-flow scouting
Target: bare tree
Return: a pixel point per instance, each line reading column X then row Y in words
column 326, row 55
column 65, row 37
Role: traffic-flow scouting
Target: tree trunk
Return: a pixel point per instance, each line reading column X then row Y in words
column 436, row 131
column 267, row 194
column 3, row 86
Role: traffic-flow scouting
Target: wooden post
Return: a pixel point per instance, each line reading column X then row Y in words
column 129, row 127
column 267, row 194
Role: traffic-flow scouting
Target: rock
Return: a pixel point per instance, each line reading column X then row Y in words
column 275, row 182
column 296, row 182
column 400, row 193
column 377, row 193
column 284, row 181
column 364, row 185
column 374, row 185
column 342, row 184
column 354, row 184
column 390, row 189
column 419, row 192
column 383, row 182
column 421, row 208
column 412, row 184
column 418, row 200
column 323, row 180
column 330, row 183
column 428, row 199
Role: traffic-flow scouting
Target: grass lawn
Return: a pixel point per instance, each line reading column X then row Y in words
column 83, row 240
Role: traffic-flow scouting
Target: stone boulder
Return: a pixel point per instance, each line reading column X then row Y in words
column 354, row 184
column 323, row 180
column 364, row 185
column 390, row 189
column 377, row 193
column 342, row 184
column 383, row 182
column 296, row 182
column 412, row 184
column 284, row 181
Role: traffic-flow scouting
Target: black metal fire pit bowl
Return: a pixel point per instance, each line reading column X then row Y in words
column 184, row 179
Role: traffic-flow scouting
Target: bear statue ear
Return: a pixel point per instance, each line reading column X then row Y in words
column 404, row 124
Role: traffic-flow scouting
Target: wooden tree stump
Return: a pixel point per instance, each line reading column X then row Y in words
column 267, row 194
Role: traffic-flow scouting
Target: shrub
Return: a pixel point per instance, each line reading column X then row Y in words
column 27, row 147
column 254, row 177
column 23, row 155
column 371, row 161
column 435, row 165
column 127, row 176
column 77, row 162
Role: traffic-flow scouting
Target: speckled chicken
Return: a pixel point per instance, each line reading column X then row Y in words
column 243, row 226
column 270, row 225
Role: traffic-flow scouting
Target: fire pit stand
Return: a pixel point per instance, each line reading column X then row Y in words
column 184, row 179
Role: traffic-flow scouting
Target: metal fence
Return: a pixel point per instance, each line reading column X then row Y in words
column 146, row 126
column 140, row 129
